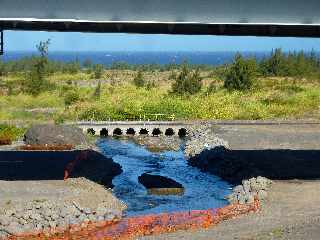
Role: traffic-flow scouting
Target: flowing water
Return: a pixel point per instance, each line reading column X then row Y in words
column 202, row 191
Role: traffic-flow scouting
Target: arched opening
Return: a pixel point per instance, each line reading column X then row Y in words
column 143, row 131
column 131, row 131
column 104, row 132
column 169, row 132
column 117, row 132
column 182, row 132
column 91, row 131
column 156, row 132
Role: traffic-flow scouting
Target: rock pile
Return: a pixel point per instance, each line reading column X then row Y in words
column 47, row 215
column 202, row 138
column 246, row 192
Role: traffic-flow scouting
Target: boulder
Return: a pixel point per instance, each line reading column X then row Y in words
column 160, row 185
column 49, row 134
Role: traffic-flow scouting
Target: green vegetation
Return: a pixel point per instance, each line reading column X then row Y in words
column 187, row 83
column 241, row 74
column 283, row 85
column 35, row 80
column 10, row 133
column 139, row 81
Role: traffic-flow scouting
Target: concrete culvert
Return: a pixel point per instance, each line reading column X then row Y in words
column 91, row 131
column 131, row 131
column 104, row 132
column 117, row 131
column 182, row 132
column 143, row 131
column 169, row 132
column 156, row 132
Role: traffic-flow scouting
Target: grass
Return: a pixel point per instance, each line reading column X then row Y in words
column 270, row 98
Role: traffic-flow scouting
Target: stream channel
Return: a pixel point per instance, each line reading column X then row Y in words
column 201, row 190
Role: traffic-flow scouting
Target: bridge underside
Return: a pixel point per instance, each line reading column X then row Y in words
column 239, row 29
column 214, row 17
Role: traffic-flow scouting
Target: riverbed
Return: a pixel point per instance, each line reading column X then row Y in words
column 201, row 190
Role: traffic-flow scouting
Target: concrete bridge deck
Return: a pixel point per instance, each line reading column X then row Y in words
column 155, row 128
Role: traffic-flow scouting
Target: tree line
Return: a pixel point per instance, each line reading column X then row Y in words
column 238, row 75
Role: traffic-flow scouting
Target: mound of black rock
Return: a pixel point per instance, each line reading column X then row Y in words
column 160, row 185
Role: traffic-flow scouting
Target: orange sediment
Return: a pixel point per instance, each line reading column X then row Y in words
column 132, row 227
column 62, row 147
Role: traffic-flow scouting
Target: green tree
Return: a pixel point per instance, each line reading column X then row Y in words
column 138, row 80
column 187, row 82
column 98, row 71
column 241, row 74
column 36, row 79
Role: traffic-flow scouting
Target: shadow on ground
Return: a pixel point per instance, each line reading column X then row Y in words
column 236, row 165
column 52, row 165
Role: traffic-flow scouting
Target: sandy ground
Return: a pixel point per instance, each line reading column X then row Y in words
column 281, row 136
column 85, row 192
column 292, row 209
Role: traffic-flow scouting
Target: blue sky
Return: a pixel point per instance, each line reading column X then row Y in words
column 24, row 41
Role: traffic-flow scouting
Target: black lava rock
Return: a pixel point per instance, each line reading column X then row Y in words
column 54, row 135
column 155, row 181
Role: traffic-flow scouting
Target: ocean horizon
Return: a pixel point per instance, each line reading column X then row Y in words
column 107, row 58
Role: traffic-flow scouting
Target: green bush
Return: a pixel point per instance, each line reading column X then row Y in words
column 241, row 74
column 11, row 132
column 98, row 71
column 187, row 82
column 71, row 97
column 138, row 80
column 97, row 91
column 59, row 119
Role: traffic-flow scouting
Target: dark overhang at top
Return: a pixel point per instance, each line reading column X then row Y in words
column 293, row 18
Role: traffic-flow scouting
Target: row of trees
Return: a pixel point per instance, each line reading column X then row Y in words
column 239, row 75
column 242, row 72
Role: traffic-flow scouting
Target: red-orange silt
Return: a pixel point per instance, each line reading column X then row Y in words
column 131, row 227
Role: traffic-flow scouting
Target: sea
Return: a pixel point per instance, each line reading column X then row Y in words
column 136, row 58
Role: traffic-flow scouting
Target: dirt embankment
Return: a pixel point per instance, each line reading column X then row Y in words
column 287, row 152
column 35, row 197
column 278, row 152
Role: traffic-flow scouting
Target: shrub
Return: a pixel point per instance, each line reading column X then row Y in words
column 58, row 120
column 98, row 71
column 71, row 97
column 241, row 74
column 9, row 133
column 139, row 81
column 150, row 85
column 97, row 91
column 187, row 82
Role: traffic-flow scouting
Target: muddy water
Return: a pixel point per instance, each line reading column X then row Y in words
column 202, row 191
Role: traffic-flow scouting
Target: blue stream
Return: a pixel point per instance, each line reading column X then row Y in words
column 202, row 191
